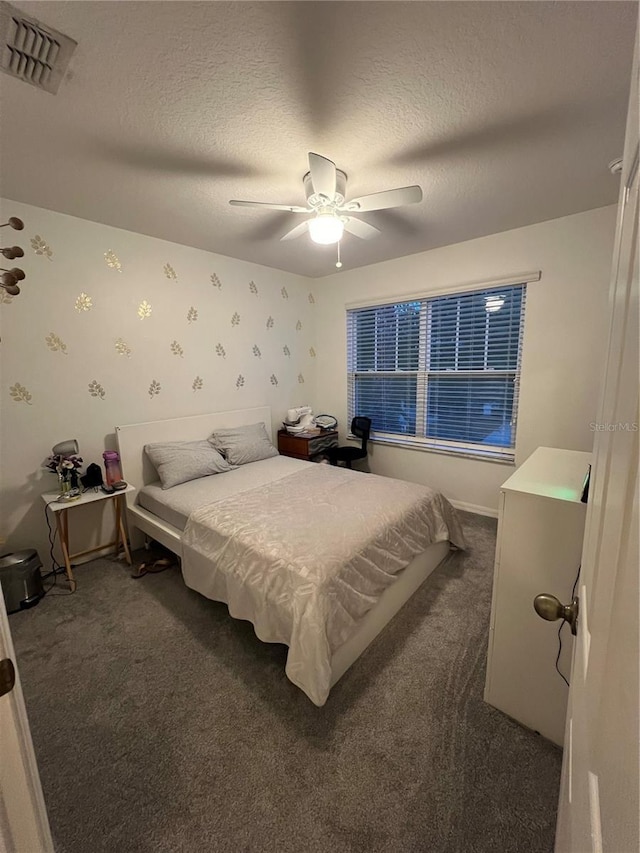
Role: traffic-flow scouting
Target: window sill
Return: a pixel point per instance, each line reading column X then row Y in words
column 498, row 457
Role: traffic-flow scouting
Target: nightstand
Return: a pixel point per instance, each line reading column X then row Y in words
column 306, row 445
column 61, row 510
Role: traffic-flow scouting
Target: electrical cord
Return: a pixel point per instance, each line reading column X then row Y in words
column 52, row 541
column 575, row 583
column 57, row 568
column 562, row 624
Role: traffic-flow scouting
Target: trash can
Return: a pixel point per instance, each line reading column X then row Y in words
column 21, row 580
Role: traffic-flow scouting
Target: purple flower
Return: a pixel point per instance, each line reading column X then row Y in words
column 63, row 465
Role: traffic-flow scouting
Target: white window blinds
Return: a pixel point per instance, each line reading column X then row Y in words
column 441, row 372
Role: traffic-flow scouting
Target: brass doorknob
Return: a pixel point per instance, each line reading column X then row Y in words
column 7, row 676
column 548, row 607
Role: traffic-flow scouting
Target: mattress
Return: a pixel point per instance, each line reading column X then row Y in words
column 175, row 505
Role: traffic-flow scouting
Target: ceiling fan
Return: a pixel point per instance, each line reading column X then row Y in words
column 325, row 187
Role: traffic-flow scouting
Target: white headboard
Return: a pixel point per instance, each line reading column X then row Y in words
column 136, row 468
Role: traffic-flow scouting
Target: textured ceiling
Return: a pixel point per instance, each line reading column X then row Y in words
column 505, row 113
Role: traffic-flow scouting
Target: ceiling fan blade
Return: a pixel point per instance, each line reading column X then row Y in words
column 360, row 229
column 298, row 231
column 292, row 208
column 323, row 175
column 385, row 199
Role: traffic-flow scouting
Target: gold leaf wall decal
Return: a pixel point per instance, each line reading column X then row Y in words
column 215, row 281
column 197, row 384
column 253, row 287
column 144, row 310
column 284, row 293
column 220, row 350
column 5, row 299
column 235, row 320
column 170, row 272
column 312, row 352
column 176, row 349
column 273, row 379
column 301, row 379
column 41, row 247
column 113, row 262
column 286, row 350
column 192, row 315
column 240, row 381
column 270, row 323
column 154, row 389
column 298, row 326
column 55, row 343
column 84, row 303
column 20, row 394
column 256, row 351
column 122, row 348
column 96, row 390
column 312, row 299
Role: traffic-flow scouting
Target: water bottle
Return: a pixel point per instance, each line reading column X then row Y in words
column 112, row 467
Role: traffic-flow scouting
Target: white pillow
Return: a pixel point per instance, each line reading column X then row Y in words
column 243, row 444
column 180, row 461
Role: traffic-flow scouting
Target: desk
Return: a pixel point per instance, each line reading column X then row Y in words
column 61, row 510
column 306, row 445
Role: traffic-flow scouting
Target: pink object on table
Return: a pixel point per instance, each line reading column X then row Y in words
column 112, row 467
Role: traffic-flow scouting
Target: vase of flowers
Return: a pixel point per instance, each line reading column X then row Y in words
column 68, row 470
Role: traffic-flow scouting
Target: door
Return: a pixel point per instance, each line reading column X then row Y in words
column 23, row 816
column 599, row 806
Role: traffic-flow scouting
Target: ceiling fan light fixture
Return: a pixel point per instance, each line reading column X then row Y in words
column 326, row 228
column 325, row 188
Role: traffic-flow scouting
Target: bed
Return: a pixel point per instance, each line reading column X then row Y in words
column 316, row 557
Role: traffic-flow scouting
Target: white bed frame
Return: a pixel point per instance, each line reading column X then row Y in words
column 138, row 472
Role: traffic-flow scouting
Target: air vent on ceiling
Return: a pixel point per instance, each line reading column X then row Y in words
column 37, row 54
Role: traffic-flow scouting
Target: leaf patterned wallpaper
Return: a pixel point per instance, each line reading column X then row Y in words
column 113, row 327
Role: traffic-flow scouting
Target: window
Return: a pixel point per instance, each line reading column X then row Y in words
column 442, row 372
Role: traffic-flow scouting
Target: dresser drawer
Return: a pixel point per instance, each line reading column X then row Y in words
column 305, row 446
column 322, row 442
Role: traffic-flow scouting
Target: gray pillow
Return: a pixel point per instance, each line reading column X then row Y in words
column 180, row 461
column 243, row 444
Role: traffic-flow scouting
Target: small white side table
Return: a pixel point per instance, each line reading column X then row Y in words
column 61, row 510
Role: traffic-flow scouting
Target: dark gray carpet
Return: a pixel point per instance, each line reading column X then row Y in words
column 161, row 724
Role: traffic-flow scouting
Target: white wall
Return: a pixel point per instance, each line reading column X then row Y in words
column 91, row 347
column 565, row 334
column 564, row 339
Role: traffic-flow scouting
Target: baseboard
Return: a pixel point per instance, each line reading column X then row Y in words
column 479, row 510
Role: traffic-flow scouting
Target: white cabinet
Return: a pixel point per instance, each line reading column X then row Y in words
column 540, row 530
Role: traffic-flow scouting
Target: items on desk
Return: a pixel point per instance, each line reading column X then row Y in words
column 66, row 463
column 93, row 478
column 298, row 419
column 326, row 422
column 114, row 481
column 301, row 420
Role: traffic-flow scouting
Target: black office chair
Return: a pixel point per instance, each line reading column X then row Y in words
column 360, row 427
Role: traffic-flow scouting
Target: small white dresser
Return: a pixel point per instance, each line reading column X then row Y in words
column 539, row 546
